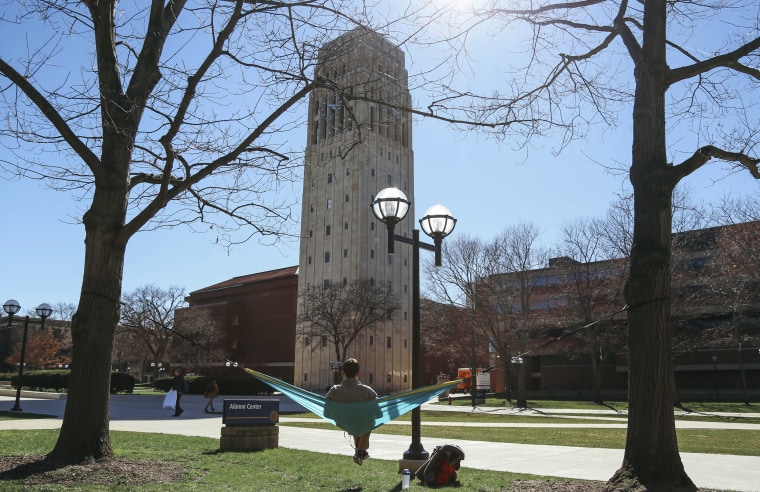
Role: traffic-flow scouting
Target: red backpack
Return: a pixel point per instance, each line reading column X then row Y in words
column 441, row 468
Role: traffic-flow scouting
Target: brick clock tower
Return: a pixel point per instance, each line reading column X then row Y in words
column 356, row 147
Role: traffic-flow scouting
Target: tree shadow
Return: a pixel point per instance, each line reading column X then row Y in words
column 38, row 466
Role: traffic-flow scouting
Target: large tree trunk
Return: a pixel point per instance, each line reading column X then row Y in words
column 651, row 454
column 84, row 432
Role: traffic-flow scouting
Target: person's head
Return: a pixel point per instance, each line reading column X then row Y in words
column 177, row 372
column 351, row 368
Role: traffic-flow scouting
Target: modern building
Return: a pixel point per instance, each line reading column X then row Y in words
column 715, row 320
column 359, row 142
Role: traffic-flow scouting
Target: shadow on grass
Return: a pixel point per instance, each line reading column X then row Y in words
column 28, row 469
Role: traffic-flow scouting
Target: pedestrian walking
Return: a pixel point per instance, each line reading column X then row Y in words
column 178, row 385
column 211, row 392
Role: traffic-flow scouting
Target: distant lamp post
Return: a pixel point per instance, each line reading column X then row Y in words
column 520, row 363
column 714, row 359
column 43, row 311
column 390, row 207
column 12, row 307
column 336, row 368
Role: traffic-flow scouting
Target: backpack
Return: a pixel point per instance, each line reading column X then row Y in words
column 441, row 467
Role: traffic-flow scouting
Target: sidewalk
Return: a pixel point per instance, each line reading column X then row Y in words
column 143, row 414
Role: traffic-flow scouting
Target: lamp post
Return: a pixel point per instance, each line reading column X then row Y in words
column 12, row 307
column 714, row 359
column 390, row 207
column 519, row 362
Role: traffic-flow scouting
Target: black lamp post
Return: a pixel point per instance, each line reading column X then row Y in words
column 390, row 207
column 12, row 307
column 714, row 359
column 520, row 363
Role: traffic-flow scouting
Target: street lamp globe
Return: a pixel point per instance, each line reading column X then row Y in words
column 11, row 307
column 437, row 223
column 390, row 206
column 44, row 310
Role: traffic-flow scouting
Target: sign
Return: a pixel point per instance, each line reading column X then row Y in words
column 240, row 413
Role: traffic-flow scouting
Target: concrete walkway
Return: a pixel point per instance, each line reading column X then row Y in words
column 144, row 414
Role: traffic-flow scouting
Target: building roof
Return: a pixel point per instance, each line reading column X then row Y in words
column 252, row 278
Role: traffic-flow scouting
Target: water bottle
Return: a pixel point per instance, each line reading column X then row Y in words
column 406, row 475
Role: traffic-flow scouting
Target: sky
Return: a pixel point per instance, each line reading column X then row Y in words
column 486, row 185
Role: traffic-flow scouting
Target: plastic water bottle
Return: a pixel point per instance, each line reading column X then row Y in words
column 406, row 475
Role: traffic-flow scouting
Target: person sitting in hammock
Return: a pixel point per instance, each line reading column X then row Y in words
column 350, row 390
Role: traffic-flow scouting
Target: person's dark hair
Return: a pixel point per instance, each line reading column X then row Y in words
column 351, row 368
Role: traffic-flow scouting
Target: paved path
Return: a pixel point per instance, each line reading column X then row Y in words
column 144, row 414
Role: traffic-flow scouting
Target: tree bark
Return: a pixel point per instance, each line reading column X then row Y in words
column 85, row 429
column 651, row 456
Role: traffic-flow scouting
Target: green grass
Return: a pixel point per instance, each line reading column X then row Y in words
column 207, row 469
column 696, row 406
column 5, row 415
column 715, row 441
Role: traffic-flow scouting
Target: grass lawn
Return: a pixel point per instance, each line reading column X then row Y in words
column 204, row 468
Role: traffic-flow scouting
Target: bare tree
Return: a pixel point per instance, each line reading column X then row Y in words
column 594, row 286
column 199, row 340
column 469, row 318
column 493, row 282
column 147, row 318
column 584, row 64
column 338, row 314
column 173, row 113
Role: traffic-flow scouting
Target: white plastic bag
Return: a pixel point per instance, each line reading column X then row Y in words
column 171, row 399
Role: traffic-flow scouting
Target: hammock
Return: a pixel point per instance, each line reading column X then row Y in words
column 356, row 418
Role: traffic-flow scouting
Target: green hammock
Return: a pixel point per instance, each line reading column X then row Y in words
column 357, row 417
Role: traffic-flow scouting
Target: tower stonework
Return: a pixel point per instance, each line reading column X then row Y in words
column 359, row 142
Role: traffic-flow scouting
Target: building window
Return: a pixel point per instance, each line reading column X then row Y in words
column 371, row 378
column 389, row 180
column 345, row 226
column 372, row 173
column 309, row 260
column 405, row 378
column 313, row 183
column 372, row 339
column 324, row 341
column 372, row 253
column 327, row 257
column 329, row 203
column 346, row 198
column 311, row 233
column 305, row 377
column 371, row 226
column 325, row 284
column 345, row 281
column 329, row 178
column 345, row 253
column 405, row 343
column 388, row 343
column 311, row 208
column 327, row 230
column 388, row 378
column 406, row 288
column 405, row 316
column 348, row 171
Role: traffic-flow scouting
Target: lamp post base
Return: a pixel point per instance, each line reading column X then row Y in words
column 411, row 465
column 416, row 453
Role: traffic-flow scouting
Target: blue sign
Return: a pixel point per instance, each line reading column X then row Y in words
column 238, row 413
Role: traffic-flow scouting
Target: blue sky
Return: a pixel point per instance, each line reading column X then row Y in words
column 487, row 187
